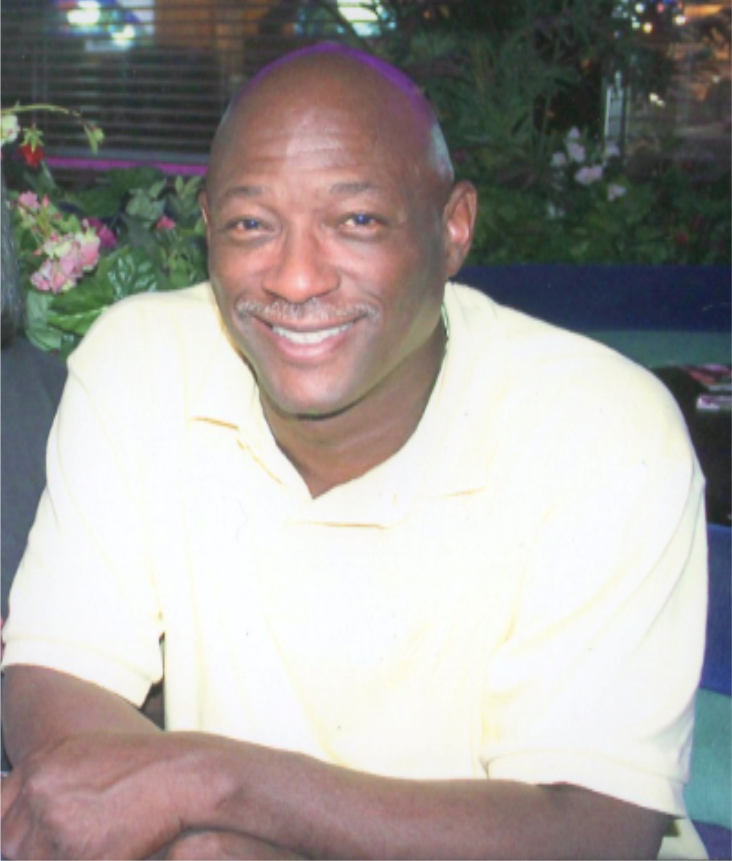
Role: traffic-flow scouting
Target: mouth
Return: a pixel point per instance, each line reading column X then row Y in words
column 316, row 336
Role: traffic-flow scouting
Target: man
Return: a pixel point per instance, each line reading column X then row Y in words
column 421, row 564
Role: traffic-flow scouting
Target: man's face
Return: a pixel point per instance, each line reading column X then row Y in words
column 327, row 257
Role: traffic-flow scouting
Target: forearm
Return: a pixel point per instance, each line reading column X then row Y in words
column 41, row 707
column 193, row 782
column 318, row 810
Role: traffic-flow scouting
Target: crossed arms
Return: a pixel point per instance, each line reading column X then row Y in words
column 93, row 778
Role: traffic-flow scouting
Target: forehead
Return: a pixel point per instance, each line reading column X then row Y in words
column 321, row 121
column 314, row 148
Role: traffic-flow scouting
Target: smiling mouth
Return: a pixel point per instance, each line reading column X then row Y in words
column 315, row 337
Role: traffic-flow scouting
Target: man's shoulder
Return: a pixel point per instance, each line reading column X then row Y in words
column 191, row 305
column 146, row 326
column 523, row 345
column 530, row 371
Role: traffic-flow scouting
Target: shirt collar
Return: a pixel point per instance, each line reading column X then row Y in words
column 442, row 458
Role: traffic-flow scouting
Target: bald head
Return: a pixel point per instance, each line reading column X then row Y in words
column 323, row 83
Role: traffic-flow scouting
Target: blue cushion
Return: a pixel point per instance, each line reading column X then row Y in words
column 708, row 794
column 586, row 298
column 717, row 841
column 717, row 670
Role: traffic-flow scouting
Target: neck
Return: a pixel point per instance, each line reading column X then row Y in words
column 332, row 450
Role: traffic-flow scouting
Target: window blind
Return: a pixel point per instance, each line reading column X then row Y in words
column 155, row 75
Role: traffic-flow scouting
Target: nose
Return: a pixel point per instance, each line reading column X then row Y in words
column 300, row 269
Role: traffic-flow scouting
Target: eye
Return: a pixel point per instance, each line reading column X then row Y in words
column 247, row 224
column 363, row 220
column 245, row 228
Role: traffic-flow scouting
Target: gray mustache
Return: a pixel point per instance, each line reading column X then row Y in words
column 311, row 311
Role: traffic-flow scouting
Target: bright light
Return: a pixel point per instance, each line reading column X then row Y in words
column 640, row 7
column 648, row 27
column 655, row 99
column 363, row 19
column 680, row 20
column 87, row 15
column 125, row 35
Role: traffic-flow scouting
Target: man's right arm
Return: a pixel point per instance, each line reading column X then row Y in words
column 52, row 717
column 41, row 707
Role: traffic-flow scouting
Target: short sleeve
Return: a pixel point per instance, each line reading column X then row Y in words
column 84, row 600
column 595, row 684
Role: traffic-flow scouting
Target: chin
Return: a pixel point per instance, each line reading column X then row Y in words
column 307, row 410
column 311, row 394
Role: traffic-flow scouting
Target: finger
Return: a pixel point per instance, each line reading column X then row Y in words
column 223, row 846
column 12, row 831
column 10, row 787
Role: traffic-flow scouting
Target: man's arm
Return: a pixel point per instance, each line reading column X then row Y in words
column 95, row 779
column 68, row 738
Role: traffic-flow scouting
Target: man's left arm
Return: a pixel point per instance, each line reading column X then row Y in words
column 220, row 788
column 323, row 811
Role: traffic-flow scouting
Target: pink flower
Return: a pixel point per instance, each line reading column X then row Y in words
column 68, row 257
column 87, row 248
column 52, row 278
column 106, row 237
column 165, row 223
column 29, row 200
column 588, row 175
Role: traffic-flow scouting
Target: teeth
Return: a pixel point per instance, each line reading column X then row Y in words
column 309, row 337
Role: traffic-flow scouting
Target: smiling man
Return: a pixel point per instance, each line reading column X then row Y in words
column 420, row 564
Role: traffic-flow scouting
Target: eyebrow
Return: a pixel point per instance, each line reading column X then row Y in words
column 338, row 189
column 244, row 191
column 350, row 188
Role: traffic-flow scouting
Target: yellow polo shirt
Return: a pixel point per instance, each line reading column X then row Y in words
column 518, row 593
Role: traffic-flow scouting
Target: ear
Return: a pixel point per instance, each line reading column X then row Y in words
column 458, row 218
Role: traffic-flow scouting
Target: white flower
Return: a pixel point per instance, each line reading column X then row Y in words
column 573, row 134
column 9, row 129
column 559, row 159
column 611, row 151
column 588, row 175
column 614, row 191
column 576, row 152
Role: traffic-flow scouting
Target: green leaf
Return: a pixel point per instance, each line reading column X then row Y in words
column 125, row 180
column 77, row 324
column 128, row 272
column 141, row 206
column 157, row 188
column 37, row 328
column 92, row 293
column 140, row 236
column 97, row 202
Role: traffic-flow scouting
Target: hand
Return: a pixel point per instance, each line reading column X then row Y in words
column 220, row 846
column 95, row 795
